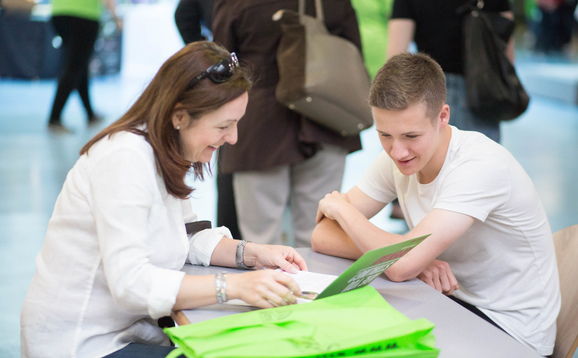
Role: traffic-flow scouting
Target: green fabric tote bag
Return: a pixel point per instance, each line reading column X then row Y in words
column 358, row 323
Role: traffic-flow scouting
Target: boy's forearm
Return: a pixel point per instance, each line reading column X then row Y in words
column 330, row 239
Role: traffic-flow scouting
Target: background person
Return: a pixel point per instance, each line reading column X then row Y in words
column 490, row 236
column 437, row 30
column 77, row 23
column 116, row 242
column 190, row 17
column 373, row 16
column 555, row 26
column 282, row 158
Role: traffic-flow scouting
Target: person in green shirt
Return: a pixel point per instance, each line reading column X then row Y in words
column 77, row 23
column 373, row 16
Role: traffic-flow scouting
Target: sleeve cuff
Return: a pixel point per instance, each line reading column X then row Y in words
column 165, row 285
column 476, row 213
column 203, row 244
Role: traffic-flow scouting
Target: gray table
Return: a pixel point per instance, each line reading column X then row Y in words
column 458, row 332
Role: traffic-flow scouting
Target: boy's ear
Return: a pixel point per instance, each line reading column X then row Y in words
column 444, row 116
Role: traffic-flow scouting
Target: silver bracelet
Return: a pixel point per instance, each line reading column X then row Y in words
column 239, row 255
column 221, row 287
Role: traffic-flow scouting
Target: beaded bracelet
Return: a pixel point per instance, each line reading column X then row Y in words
column 221, row 287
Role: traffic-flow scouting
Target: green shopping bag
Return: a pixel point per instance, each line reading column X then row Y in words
column 351, row 324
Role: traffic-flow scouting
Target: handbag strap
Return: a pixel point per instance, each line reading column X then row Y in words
column 318, row 9
column 469, row 7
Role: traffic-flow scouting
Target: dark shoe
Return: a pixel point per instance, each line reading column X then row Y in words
column 58, row 128
column 95, row 119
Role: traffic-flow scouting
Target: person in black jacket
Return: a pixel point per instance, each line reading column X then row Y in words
column 191, row 16
column 436, row 29
column 282, row 159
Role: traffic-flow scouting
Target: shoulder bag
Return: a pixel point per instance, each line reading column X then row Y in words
column 321, row 76
column 494, row 91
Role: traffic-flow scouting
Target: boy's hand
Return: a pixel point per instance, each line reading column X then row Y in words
column 439, row 276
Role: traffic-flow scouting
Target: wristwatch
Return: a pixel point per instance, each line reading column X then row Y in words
column 239, row 255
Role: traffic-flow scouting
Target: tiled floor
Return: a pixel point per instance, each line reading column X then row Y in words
column 34, row 163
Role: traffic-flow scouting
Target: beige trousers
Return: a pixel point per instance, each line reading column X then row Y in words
column 262, row 197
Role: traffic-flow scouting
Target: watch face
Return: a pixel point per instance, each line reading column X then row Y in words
column 239, row 254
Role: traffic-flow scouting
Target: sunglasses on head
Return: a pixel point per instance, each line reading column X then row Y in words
column 220, row 72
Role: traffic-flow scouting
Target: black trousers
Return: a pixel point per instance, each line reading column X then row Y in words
column 78, row 38
column 475, row 311
column 226, row 212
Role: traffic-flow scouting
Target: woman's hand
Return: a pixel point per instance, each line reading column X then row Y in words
column 273, row 256
column 263, row 288
column 439, row 276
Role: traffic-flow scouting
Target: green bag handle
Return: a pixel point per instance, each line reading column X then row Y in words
column 202, row 344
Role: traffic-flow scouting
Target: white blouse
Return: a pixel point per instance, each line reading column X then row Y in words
column 111, row 260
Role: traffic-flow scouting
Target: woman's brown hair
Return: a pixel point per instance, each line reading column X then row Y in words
column 151, row 114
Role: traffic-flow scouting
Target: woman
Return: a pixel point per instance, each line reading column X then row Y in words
column 110, row 265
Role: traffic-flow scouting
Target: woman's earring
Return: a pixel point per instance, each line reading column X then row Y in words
column 178, row 128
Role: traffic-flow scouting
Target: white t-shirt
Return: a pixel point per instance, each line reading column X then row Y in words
column 505, row 263
column 109, row 267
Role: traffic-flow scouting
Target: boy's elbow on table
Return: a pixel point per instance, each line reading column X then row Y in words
column 317, row 243
column 399, row 273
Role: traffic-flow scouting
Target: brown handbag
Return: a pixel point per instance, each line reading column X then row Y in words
column 321, row 76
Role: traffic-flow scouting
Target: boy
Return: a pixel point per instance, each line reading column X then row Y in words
column 489, row 231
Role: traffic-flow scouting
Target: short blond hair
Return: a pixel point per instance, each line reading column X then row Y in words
column 407, row 79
